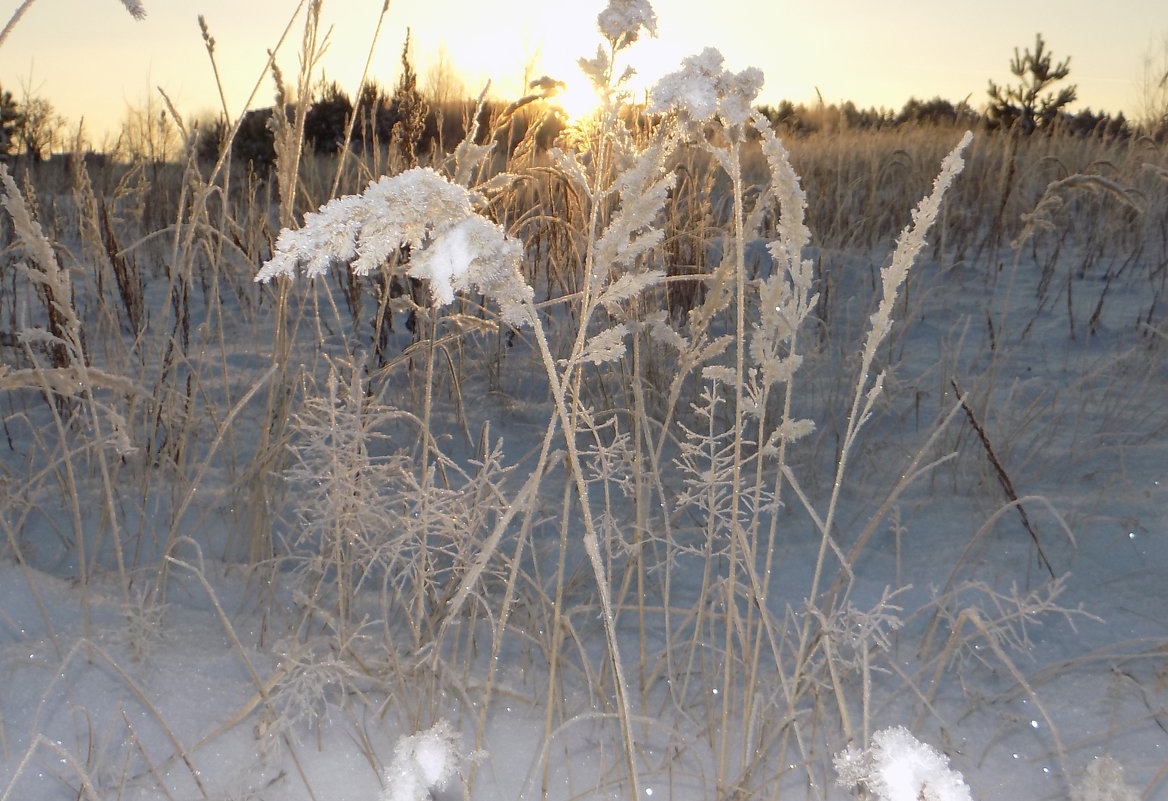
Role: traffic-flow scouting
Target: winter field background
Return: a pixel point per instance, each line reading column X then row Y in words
column 675, row 461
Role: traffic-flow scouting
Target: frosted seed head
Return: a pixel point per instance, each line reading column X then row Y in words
column 621, row 21
column 702, row 88
column 136, row 9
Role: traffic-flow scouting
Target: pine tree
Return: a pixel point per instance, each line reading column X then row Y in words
column 10, row 121
column 328, row 119
column 1025, row 107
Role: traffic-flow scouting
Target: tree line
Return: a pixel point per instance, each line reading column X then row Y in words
column 28, row 127
column 1036, row 103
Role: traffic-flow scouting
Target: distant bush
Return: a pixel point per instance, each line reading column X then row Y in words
column 9, row 120
column 1088, row 124
column 254, row 142
column 937, row 111
column 327, row 120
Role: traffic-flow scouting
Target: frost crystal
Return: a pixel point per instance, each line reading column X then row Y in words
column 898, row 767
column 702, row 88
column 451, row 246
column 621, row 21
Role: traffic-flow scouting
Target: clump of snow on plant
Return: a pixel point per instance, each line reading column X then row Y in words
column 422, row 763
column 899, row 767
column 1103, row 781
column 703, row 88
column 451, row 246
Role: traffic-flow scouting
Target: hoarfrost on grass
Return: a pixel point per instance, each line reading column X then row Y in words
column 422, row 763
column 451, row 246
column 621, row 21
column 136, row 9
column 703, row 88
column 899, row 767
column 909, row 244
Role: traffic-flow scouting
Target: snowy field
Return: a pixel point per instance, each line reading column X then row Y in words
column 258, row 545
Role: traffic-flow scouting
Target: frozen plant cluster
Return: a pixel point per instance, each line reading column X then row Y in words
column 899, row 767
column 621, row 21
column 423, row 762
column 703, row 88
column 451, row 246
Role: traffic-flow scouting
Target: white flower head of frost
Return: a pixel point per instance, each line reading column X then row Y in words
column 452, row 247
column 621, row 21
column 899, row 767
column 422, row 763
column 702, row 88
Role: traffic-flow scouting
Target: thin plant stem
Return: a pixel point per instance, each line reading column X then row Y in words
column 14, row 19
column 344, row 150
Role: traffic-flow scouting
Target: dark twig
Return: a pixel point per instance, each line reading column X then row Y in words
column 1003, row 477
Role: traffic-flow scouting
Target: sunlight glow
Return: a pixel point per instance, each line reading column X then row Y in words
column 578, row 99
column 878, row 60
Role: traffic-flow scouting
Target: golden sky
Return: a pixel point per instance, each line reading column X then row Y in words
column 93, row 61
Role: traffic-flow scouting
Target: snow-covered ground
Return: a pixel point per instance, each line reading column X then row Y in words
column 172, row 707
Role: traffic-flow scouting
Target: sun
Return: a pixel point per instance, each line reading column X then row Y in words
column 577, row 99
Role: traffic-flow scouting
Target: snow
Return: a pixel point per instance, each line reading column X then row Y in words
column 115, row 710
column 422, row 763
column 898, row 767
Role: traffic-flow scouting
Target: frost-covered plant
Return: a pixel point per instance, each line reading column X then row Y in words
column 422, row 763
column 311, row 674
column 621, row 21
column 705, row 460
column 703, row 89
column 742, row 344
column 899, row 767
column 136, row 9
column 342, row 489
column 452, row 247
column 1103, row 781
column 455, row 249
column 348, row 475
column 868, row 387
column 716, row 104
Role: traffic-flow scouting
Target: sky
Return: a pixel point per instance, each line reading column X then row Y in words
column 96, row 64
